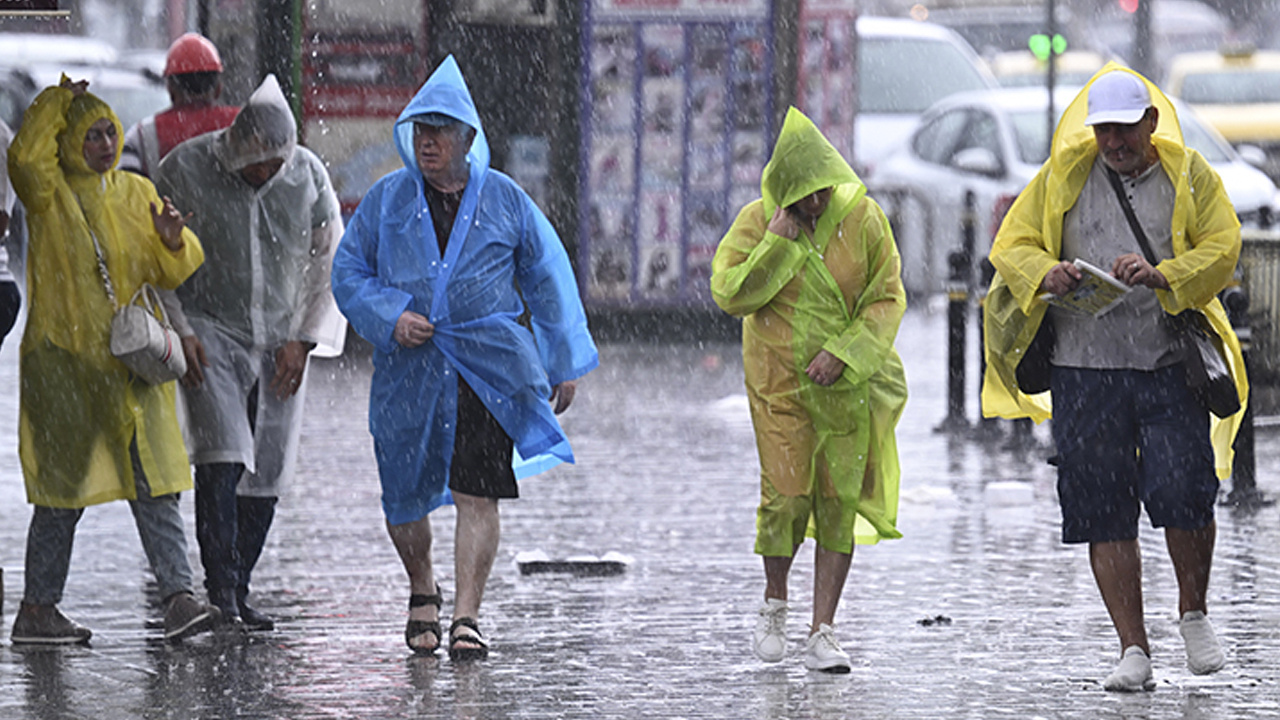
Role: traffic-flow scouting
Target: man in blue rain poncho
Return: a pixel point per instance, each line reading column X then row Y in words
column 431, row 270
column 249, row 318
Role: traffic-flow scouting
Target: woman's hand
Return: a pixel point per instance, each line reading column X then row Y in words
column 784, row 224
column 77, row 88
column 825, row 368
column 412, row 329
column 169, row 223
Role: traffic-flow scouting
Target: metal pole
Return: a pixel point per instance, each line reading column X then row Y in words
column 958, row 285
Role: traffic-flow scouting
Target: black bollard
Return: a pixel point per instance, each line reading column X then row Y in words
column 959, row 280
column 1244, row 485
column 988, row 428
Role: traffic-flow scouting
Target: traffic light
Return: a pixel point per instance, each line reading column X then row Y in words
column 1041, row 45
column 1129, row 6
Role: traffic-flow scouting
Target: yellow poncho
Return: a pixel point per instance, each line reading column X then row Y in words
column 1206, row 245
column 80, row 407
column 839, row 291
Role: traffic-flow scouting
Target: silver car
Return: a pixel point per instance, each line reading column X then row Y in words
column 991, row 143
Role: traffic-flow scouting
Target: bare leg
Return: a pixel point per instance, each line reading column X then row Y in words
column 830, row 570
column 776, row 570
column 413, row 543
column 1192, row 554
column 475, row 546
column 1117, row 568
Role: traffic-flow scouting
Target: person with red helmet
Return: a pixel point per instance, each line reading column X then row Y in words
column 193, row 76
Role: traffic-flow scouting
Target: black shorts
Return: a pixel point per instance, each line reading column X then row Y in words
column 482, row 450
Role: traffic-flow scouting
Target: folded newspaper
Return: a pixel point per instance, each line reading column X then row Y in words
column 1096, row 294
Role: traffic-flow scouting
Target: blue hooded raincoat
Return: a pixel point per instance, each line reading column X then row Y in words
column 500, row 249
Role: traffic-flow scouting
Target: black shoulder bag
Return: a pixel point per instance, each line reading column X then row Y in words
column 1208, row 375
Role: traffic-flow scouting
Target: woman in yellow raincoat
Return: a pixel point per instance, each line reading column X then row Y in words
column 90, row 432
column 812, row 269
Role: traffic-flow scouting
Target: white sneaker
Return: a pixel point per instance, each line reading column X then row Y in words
column 1204, row 653
column 769, row 639
column 1132, row 674
column 822, row 652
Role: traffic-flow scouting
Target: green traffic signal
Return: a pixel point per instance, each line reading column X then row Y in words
column 1041, row 45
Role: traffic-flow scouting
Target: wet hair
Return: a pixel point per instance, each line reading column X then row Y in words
column 196, row 83
column 270, row 124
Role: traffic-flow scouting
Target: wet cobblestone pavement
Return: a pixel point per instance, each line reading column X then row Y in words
column 666, row 475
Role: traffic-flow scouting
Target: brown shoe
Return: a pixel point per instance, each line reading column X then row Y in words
column 46, row 625
column 185, row 616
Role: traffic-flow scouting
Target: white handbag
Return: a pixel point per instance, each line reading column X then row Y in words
column 146, row 343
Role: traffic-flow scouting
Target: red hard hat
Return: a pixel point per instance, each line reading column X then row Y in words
column 192, row 53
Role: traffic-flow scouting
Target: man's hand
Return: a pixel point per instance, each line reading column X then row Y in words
column 169, row 223
column 291, row 362
column 1133, row 269
column 784, row 224
column 412, row 329
column 562, row 395
column 193, row 351
column 1062, row 278
column 825, row 368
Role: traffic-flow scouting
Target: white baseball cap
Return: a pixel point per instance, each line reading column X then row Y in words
column 1117, row 97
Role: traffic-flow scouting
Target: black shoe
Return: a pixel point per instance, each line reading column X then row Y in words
column 254, row 620
column 46, row 625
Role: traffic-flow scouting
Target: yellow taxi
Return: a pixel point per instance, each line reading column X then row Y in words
column 1237, row 91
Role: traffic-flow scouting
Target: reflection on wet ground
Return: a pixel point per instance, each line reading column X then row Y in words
column 666, row 474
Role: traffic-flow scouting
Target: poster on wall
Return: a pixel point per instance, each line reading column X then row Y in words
column 675, row 125
column 826, row 84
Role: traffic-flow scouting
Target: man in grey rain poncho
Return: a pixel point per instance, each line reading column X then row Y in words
column 259, row 305
column 432, row 271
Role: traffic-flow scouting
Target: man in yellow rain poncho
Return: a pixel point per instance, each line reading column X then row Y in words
column 813, row 271
column 89, row 431
column 1128, row 431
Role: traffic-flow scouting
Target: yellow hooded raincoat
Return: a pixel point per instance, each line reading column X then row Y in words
column 1206, row 245
column 839, row 291
column 80, row 407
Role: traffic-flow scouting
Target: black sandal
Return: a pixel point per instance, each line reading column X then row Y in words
column 465, row 654
column 416, row 628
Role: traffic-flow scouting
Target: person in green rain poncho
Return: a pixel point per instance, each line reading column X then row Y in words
column 812, row 269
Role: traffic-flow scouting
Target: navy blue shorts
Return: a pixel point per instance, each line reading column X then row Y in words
column 1127, row 439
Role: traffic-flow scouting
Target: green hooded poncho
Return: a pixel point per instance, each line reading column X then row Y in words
column 828, row 456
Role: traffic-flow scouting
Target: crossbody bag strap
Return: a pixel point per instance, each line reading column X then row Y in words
column 1134, row 225
column 102, row 260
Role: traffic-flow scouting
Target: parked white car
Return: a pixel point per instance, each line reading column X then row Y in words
column 992, row 143
column 904, row 66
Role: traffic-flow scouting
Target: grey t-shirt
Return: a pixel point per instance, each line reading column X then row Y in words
column 1131, row 335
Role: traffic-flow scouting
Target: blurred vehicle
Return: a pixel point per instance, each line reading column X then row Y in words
column 1237, row 90
column 905, row 66
column 147, row 61
column 133, row 95
column 991, row 144
column 20, row 49
column 1020, row 68
column 16, row 90
column 995, row 29
column 1177, row 26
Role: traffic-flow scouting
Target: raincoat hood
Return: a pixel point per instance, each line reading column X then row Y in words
column 444, row 92
column 803, row 163
column 1072, row 139
column 263, row 130
column 84, row 111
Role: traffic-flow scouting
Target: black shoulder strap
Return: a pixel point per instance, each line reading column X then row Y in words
column 1134, row 225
